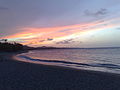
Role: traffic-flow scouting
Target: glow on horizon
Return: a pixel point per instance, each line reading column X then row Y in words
column 63, row 23
column 79, row 33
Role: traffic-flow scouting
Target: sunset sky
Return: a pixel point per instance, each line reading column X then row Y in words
column 61, row 23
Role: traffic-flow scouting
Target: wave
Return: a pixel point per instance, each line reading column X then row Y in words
column 109, row 66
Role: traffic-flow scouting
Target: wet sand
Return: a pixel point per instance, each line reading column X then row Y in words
column 16, row 75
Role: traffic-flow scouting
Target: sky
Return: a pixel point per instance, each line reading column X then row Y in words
column 61, row 23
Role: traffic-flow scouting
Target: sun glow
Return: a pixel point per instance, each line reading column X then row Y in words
column 47, row 36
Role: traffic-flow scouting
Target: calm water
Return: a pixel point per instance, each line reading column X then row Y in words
column 107, row 60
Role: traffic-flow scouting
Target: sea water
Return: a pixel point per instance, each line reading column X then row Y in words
column 104, row 59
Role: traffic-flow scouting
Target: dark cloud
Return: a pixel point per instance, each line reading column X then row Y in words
column 98, row 13
column 41, row 40
column 3, row 8
column 68, row 41
column 81, row 42
column 49, row 39
column 118, row 28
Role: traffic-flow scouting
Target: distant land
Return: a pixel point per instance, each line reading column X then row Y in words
column 13, row 47
column 45, row 47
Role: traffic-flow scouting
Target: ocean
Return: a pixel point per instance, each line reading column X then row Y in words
column 96, row 59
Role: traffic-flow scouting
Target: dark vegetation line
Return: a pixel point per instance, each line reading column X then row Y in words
column 7, row 46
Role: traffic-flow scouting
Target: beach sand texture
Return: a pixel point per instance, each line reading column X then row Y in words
column 16, row 75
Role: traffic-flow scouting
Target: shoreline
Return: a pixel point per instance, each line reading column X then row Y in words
column 74, row 68
column 17, row 75
column 64, row 67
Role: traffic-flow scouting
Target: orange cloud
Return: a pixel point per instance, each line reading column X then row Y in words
column 35, row 35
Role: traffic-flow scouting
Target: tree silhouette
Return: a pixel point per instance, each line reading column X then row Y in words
column 6, row 46
column 5, row 40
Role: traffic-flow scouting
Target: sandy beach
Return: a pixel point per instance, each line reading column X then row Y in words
column 16, row 75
